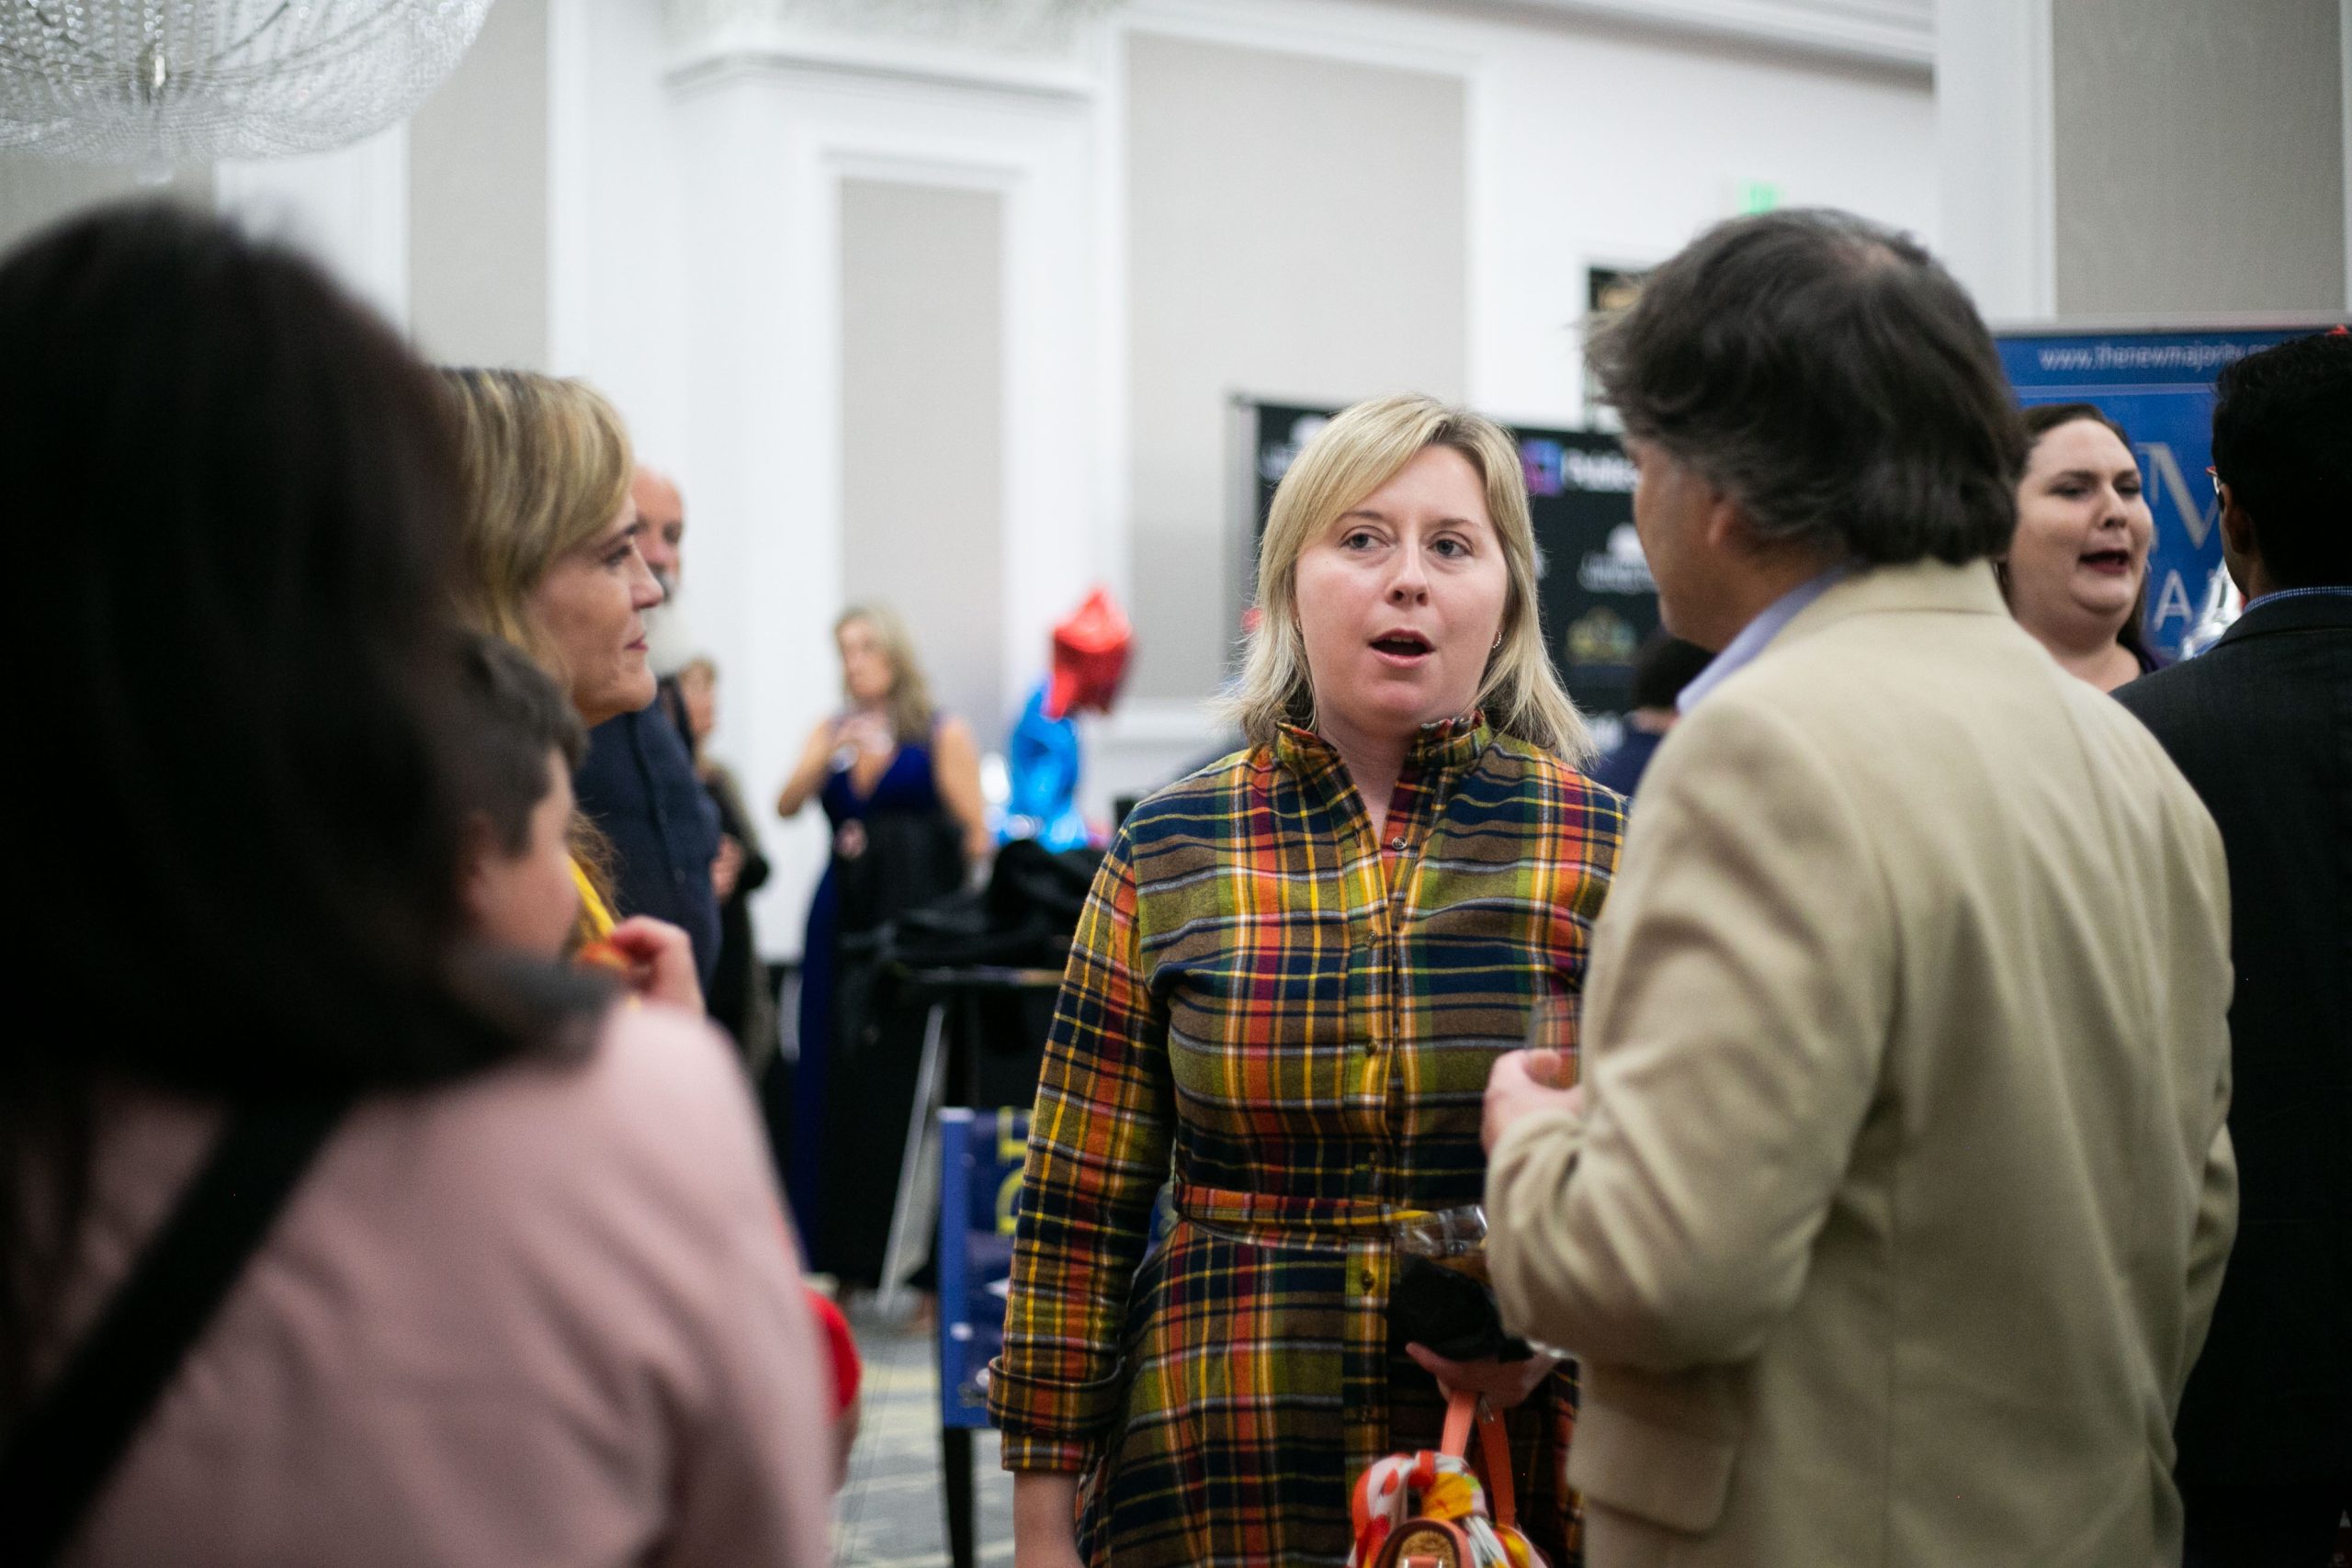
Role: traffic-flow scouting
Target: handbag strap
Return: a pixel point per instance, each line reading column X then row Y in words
column 65, row 1448
column 1464, row 1410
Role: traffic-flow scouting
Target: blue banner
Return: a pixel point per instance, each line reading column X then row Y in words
column 979, row 1185
column 2159, row 387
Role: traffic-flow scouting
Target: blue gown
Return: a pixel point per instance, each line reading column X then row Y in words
column 912, row 855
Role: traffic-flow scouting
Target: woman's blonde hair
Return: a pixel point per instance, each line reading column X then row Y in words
column 548, row 467
column 1359, row 451
column 909, row 703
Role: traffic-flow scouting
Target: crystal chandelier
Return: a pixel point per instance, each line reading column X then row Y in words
column 171, row 81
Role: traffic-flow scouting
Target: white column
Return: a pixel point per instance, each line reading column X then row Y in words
column 762, row 441
column 1994, row 137
column 347, row 208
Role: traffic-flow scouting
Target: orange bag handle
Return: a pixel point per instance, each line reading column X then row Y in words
column 1464, row 1410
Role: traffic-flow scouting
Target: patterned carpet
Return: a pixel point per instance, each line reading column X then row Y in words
column 892, row 1509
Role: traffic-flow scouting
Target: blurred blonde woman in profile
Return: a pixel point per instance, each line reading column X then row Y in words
column 1293, row 976
column 551, row 563
column 899, row 785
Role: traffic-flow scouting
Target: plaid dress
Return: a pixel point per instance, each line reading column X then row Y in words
column 1289, row 1023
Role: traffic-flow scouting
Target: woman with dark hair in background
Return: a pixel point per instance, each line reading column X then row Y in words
column 326, row 1234
column 2076, row 574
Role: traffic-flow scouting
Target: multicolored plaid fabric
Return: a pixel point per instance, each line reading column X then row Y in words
column 1295, row 1022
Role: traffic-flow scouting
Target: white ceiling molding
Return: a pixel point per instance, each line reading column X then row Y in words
column 1885, row 32
column 1024, row 45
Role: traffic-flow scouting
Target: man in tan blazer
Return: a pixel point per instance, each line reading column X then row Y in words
column 1889, row 1218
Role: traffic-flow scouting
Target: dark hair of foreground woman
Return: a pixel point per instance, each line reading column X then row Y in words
column 233, row 866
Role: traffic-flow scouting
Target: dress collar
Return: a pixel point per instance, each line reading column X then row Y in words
column 1445, row 744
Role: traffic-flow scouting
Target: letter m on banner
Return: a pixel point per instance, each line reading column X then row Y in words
column 2191, row 503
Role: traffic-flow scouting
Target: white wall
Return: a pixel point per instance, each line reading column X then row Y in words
column 2199, row 164
column 618, row 283
column 680, row 190
column 922, row 428
column 37, row 191
column 1597, row 151
column 1294, row 229
column 1595, row 144
column 1589, row 143
column 478, row 201
column 767, row 129
column 2146, row 159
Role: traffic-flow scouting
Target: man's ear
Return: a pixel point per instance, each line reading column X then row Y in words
column 478, row 859
column 2237, row 528
column 1726, row 527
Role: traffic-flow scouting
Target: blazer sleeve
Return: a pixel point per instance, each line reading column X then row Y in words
column 1738, row 1005
column 1098, row 1154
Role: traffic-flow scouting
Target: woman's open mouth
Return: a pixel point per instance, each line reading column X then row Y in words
column 2109, row 563
column 1403, row 647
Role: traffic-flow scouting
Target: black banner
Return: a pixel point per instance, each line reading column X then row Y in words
column 1594, row 590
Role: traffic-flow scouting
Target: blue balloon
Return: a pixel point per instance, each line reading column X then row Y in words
column 1041, row 763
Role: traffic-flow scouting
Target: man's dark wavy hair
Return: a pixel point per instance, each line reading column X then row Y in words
column 2282, row 442
column 1833, row 379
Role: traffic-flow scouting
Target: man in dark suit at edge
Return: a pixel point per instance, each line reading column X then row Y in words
column 2262, row 726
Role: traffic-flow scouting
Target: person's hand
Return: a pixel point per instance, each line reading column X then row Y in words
column 726, row 867
column 866, row 730
column 1505, row 1384
column 1520, row 1086
column 660, row 959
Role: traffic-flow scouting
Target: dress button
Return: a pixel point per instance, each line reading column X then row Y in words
column 1398, row 844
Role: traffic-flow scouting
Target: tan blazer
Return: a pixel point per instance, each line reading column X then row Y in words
column 1899, row 1211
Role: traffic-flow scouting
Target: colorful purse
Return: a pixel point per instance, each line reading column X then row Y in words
column 1427, row 1510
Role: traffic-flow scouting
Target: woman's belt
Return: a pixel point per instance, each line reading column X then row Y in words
column 1266, row 1219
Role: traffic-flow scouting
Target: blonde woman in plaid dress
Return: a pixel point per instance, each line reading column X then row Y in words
column 1289, row 982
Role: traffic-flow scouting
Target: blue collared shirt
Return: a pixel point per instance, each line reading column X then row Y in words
column 2324, row 591
column 1755, row 634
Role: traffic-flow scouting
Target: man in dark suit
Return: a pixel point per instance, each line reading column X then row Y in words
column 2262, row 726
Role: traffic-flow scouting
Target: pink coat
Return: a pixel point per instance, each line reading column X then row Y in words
column 546, row 1316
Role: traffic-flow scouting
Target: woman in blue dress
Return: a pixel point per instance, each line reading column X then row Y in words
column 899, row 783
